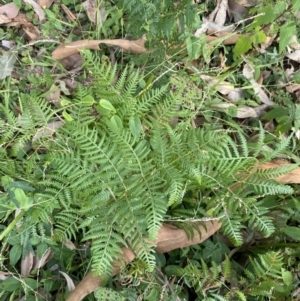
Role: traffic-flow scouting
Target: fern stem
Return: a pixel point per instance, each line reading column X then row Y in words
column 12, row 224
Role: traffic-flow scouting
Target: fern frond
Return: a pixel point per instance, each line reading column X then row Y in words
column 232, row 228
column 105, row 247
column 280, row 148
column 66, row 225
column 268, row 187
column 276, row 171
column 226, row 268
column 260, row 141
column 8, row 124
column 240, row 295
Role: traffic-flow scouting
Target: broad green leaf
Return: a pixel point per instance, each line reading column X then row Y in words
column 174, row 270
column 48, row 283
column 22, row 185
column 24, row 201
column 266, row 16
column 280, row 288
column 275, row 113
column 67, row 116
column 287, row 277
column 20, row 196
column 13, row 240
column 117, row 122
column 279, row 8
column 102, row 110
column 296, row 5
column 32, row 283
column 293, row 232
column 194, row 47
column 283, row 127
column 153, row 296
column 88, row 100
column 34, row 240
column 7, row 61
column 160, row 260
column 107, row 105
column 287, row 30
column 259, row 37
column 42, row 249
column 135, row 126
column 6, row 181
column 15, row 254
column 64, row 102
column 10, row 284
column 242, row 46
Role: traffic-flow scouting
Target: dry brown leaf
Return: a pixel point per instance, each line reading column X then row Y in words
column 63, row 51
column 263, row 75
column 294, row 44
column 247, row 3
column 264, row 45
column 38, row 10
column 39, row 263
column 70, row 245
column 70, row 283
column 69, row 14
column 32, row 32
column 47, row 131
column 294, row 56
column 4, row 19
column 210, row 28
column 54, row 95
column 45, row 3
column 71, row 83
column 218, row 15
column 289, row 72
column 221, row 86
column 72, row 62
column 4, row 275
column 91, row 7
column 242, row 111
column 248, row 72
column 228, row 39
column 9, row 10
column 292, row 88
column 26, row 264
column 236, row 11
column 235, row 95
column 19, row 20
column 8, row 44
column 248, row 112
column 169, row 238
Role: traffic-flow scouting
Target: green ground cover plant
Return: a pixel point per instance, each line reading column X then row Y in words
column 149, row 139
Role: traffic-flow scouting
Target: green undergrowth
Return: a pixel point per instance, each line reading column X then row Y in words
column 110, row 163
column 141, row 142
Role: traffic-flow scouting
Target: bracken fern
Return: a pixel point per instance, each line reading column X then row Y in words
column 115, row 167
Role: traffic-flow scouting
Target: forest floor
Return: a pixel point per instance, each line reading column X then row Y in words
column 239, row 63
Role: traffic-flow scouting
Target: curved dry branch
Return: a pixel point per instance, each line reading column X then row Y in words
column 169, row 238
